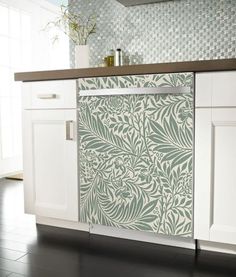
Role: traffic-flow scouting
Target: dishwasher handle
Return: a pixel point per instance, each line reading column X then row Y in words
column 135, row 91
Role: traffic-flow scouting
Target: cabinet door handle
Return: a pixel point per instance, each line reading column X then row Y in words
column 47, row 96
column 70, row 130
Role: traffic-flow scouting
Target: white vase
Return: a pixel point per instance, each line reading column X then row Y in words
column 81, row 56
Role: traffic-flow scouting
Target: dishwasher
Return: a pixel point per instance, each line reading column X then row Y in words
column 136, row 152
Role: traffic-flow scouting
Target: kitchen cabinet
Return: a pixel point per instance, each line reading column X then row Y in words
column 139, row 146
column 215, row 158
column 136, row 152
column 50, row 149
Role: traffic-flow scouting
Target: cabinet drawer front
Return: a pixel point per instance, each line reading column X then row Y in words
column 49, row 95
column 216, row 89
column 136, row 155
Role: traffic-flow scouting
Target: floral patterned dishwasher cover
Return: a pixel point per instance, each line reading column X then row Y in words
column 136, row 155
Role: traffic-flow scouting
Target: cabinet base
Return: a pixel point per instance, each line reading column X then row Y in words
column 62, row 223
column 118, row 233
column 216, row 247
column 142, row 236
column 138, row 236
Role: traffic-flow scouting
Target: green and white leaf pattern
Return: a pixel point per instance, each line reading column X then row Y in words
column 136, row 155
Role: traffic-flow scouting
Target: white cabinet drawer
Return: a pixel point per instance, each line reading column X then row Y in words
column 216, row 89
column 49, row 95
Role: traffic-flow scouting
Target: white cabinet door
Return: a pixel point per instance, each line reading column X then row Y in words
column 215, row 175
column 50, row 163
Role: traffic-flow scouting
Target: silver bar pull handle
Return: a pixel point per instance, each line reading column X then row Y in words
column 70, row 130
column 47, row 96
column 135, row 90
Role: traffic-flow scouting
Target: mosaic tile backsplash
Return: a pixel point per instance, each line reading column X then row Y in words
column 171, row 31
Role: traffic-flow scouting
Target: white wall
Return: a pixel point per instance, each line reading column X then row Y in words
column 24, row 46
column 46, row 54
column 58, row 2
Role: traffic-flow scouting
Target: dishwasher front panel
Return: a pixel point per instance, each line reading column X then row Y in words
column 136, row 152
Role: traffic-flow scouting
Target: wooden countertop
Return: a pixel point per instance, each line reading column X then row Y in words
column 191, row 66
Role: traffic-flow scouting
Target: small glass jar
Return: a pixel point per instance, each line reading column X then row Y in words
column 110, row 58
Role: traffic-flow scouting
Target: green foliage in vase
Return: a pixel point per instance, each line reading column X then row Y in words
column 76, row 26
column 136, row 155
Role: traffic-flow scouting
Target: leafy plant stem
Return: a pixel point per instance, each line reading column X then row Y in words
column 144, row 137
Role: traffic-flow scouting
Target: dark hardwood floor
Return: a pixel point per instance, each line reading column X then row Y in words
column 44, row 251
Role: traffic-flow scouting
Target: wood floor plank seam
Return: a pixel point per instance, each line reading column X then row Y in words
column 21, row 257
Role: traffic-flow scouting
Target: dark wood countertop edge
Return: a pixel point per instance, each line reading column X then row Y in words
column 174, row 67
